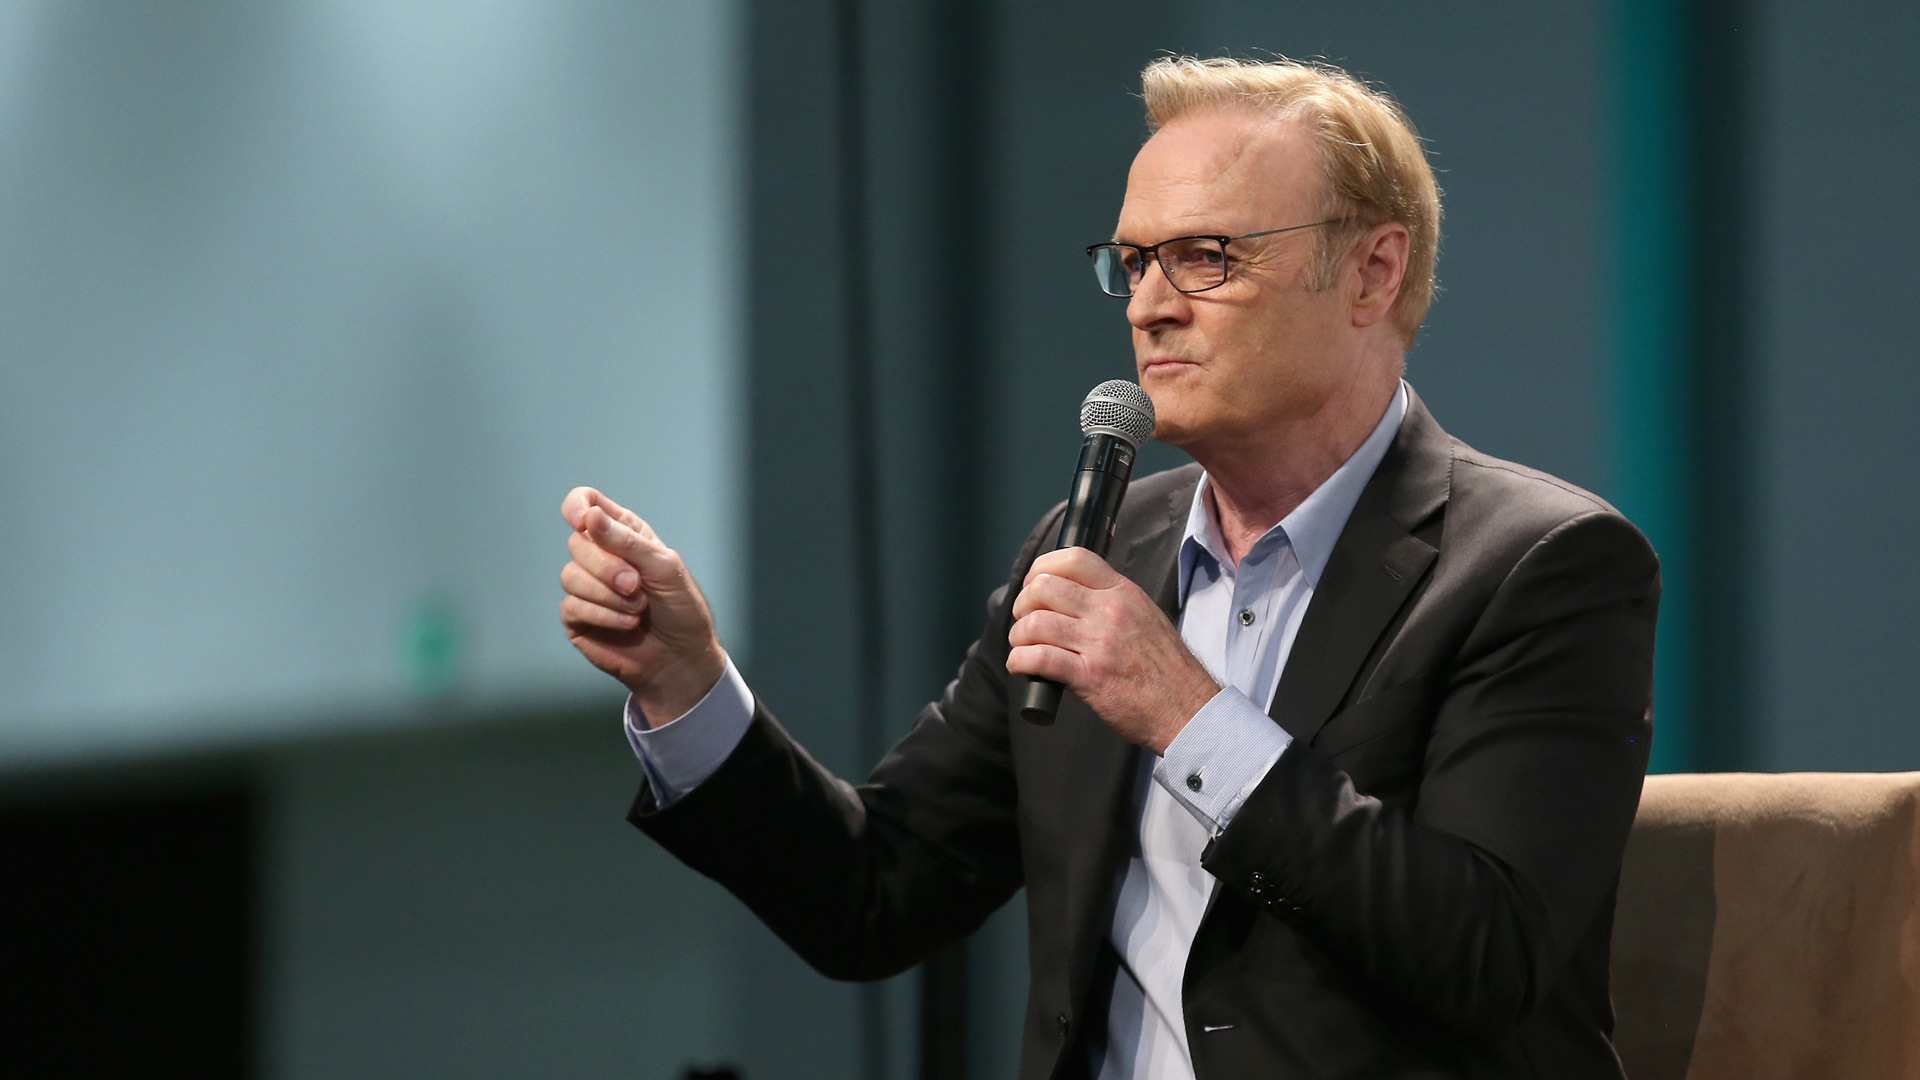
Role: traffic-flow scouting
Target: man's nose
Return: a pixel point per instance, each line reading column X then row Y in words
column 1155, row 302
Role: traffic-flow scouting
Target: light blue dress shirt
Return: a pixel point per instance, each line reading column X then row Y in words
column 1240, row 622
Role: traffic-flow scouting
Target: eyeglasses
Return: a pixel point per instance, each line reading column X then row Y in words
column 1192, row 263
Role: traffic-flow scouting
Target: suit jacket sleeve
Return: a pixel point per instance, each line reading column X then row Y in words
column 1469, row 901
column 864, row 882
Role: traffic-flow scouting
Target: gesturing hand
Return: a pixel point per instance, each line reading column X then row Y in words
column 633, row 610
column 1079, row 622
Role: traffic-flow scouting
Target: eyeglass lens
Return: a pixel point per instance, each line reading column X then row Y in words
column 1191, row 265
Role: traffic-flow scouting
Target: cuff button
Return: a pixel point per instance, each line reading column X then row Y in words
column 1193, row 782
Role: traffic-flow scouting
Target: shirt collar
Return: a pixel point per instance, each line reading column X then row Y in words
column 1316, row 524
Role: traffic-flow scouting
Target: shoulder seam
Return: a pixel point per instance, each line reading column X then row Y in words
column 1550, row 480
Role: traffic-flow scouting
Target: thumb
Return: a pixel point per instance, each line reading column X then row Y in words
column 581, row 499
column 660, row 567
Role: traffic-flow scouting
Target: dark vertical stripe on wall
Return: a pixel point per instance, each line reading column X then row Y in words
column 1723, row 447
column 863, row 438
column 959, row 104
column 805, row 572
column 963, row 226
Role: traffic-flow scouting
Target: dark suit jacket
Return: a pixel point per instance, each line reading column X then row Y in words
column 1421, row 887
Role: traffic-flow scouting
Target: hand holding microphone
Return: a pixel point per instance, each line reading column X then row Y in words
column 1081, row 625
column 1116, row 417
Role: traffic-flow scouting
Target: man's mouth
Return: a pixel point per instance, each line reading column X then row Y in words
column 1164, row 365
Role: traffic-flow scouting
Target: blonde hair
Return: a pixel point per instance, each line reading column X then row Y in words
column 1370, row 154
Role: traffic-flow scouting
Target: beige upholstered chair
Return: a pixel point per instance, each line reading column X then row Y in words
column 1768, row 929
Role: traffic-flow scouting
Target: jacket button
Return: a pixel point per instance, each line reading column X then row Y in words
column 1257, row 879
column 1065, row 1024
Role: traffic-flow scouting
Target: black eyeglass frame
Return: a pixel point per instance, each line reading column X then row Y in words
column 1152, row 254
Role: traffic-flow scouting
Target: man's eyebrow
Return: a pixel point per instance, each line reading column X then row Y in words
column 1193, row 230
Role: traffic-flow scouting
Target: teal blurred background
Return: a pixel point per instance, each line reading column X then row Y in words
column 312, row 310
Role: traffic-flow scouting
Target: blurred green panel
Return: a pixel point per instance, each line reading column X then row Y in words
column 1649, row 336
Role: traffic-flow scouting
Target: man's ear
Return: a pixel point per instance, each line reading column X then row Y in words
column 1377, row 265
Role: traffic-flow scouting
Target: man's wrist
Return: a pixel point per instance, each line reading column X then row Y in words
column 681, row 752
column 1200, row 689
column 678, row 690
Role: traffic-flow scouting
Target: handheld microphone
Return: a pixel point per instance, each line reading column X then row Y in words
column 1116, row 416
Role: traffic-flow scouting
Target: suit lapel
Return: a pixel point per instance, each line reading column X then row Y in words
column 1376, row 564
column 1152, row 560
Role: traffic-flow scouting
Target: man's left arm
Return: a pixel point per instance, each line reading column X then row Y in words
column 1471, row 903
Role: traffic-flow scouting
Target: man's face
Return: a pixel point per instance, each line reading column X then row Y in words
column 1263, row 348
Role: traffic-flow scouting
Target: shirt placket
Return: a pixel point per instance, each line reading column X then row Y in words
column 1250, row 617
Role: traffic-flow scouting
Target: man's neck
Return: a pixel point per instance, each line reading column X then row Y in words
column 1257, row 484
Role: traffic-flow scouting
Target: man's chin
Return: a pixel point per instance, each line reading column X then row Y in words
column 1178, row 408
column 1176, row 430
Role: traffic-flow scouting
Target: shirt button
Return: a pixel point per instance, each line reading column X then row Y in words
column 1065, row 1025
column 1246, row 616
column 1193, row 782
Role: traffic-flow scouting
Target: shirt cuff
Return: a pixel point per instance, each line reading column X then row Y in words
column 680, row 754
column 1222, row 754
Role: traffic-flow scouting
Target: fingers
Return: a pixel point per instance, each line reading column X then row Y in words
column 581, row 616
column 575, row 579
column 1049, row 593
column 576, row 503
column 614, row 546
column 581, row 498
column 1045, row 628
column 1078, row 565
column 1067, row 630
column 635, row 543
column 1047, row 644
column 617, row 574
column 608, row 658
column 1046, row 662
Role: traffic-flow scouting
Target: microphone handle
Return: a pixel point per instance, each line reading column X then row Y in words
column 1093, row 508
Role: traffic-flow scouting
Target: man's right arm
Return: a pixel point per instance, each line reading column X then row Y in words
column 862, row 882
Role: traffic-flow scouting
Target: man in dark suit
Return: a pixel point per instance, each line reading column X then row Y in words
column 1358, row 715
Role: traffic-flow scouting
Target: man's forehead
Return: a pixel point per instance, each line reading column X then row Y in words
column 1216, row 171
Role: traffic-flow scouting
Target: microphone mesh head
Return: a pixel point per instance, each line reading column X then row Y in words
column 1119, row 407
